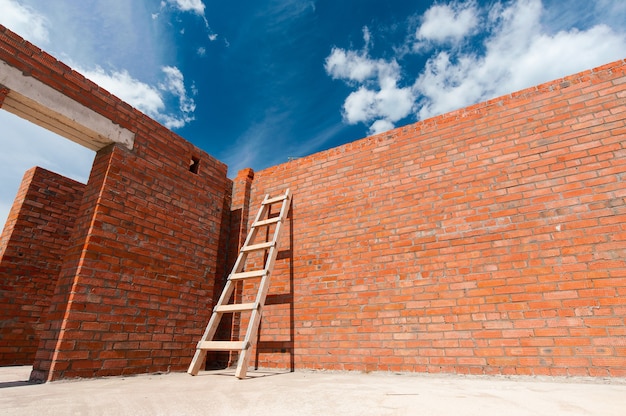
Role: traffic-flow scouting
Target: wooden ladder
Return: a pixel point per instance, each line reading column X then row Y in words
column 269, row 248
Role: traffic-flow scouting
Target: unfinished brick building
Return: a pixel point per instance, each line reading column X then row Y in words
column 489, row 240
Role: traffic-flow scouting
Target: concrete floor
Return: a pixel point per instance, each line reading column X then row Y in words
column 310, row 393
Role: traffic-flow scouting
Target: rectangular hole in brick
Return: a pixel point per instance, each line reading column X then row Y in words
column 194, row 164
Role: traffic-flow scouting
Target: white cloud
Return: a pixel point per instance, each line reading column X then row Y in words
column 356, row 65
column 148, row 98
column 518, row 54
column 381, row 126
column 379, row 98
column 359, row 106
column 175, row 84
column 350, row 65
column 138, row 94
column 201, row 51
column 367, row 37
column 507, row 47
column 448, row 22
column 25, row 21
column 550, row 57
column 195, row 6
column 389, row 103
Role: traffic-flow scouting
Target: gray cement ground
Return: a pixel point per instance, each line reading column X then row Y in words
column 309, row 393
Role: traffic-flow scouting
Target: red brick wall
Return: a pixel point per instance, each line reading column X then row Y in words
column 139, row 291
column 136, row 284
column 32, row 246
column 489, row 240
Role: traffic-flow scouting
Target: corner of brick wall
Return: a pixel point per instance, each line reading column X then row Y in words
column 239, row 209
column 136, row 285
column 142, row 278
column 32, row 247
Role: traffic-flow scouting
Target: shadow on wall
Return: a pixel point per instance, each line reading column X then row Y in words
column 275, row 299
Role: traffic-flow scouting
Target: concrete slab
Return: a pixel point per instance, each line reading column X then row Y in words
column 310, row 393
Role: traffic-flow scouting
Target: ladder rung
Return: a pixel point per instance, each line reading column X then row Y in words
column 236, row 307
column 247, row 275
column 222, row 345
column 255, row 247
column 266, row 222
column 275, row 200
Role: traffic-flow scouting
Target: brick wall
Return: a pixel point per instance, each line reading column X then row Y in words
column 136, row 284
column 32, row 246
column 489, row 240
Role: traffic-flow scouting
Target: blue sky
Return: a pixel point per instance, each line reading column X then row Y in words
column 255, row 82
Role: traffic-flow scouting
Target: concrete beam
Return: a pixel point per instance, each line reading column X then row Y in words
column 38, row 103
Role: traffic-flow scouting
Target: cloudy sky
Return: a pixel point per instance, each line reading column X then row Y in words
column 255, row 82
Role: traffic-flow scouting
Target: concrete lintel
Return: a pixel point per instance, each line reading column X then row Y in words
column 31, row 99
